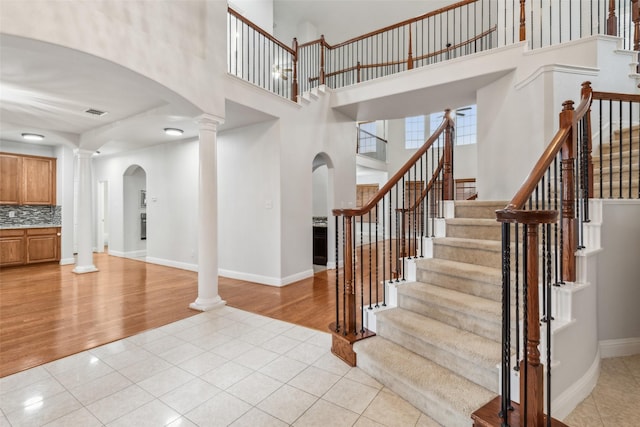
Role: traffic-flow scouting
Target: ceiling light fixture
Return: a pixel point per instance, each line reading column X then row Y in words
column 32, row 137
column 173, row 131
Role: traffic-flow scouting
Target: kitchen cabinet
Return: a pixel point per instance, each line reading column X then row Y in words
column 12, row 248
column 27, row 180
column 29, row 245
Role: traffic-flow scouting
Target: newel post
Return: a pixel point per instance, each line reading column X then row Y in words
column 523, row 21
column 569, row 243
column 322, row 46
column 448, row 160
column 349, row 297
column 612, row 21
column 294, row 80
column 586, row 93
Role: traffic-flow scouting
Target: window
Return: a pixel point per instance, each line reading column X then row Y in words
column 466, row 124
column 414, row 135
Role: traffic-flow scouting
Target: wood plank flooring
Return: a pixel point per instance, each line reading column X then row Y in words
column 48, row 312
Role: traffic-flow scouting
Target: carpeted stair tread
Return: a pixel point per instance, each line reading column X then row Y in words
column 441, row 394
column 466, row 345
column 478, row 272
column 489, row 222
column 462, row 242
column 454, row 300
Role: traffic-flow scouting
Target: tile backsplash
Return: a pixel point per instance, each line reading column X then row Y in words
column 11, row 215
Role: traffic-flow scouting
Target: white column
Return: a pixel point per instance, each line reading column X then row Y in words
column 84, row 261
column 208, row 297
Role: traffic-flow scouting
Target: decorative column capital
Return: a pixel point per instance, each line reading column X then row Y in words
column 83, row 153
column 209, row 122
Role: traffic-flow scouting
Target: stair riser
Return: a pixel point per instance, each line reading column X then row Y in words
column 486, row 377
column 492, row 291
column 615, row 175
column 466, row 211
column 475, row 231
column 488, row 328
column 487, row 258
column 614, row 155
column 439, row 411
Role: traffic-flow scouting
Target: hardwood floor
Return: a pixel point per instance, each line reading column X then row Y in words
column 48, row 312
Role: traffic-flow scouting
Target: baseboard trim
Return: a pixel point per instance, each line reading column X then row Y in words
column 620, row 347
column 171, row 263
column 67, row 261
column 569, row 399
column 266, row 280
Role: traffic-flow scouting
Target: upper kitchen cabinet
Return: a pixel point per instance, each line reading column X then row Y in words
column 27, row 180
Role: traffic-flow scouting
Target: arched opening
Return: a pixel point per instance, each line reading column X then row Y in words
column 134, row 215
column 323, row 246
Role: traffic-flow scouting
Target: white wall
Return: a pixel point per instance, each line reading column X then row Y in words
column 172, row 201
column 260, row 12
column 619, row 271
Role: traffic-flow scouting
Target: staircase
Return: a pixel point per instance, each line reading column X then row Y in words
column 608, row 165
column 440, row 347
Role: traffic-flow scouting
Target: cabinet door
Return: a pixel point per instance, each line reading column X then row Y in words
column 38, row 185
column 42, row 248
column 12, row 250
column 10, row 173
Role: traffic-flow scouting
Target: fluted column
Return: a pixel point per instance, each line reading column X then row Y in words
column 208, row 297
column 84, row 260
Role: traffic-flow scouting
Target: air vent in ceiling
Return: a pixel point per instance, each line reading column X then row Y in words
column 95, row 112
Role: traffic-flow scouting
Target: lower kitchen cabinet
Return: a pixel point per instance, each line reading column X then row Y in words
column 29, row 245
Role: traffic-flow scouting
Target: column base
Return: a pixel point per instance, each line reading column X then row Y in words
column 85, row 269
column 206, row 304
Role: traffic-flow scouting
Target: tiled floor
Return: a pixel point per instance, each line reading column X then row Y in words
column 615, row 401
column 224, row 367
column 231, row 367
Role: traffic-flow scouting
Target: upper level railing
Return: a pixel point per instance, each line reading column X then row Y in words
column 373, row 239
column 371, row 145
column 459, row 29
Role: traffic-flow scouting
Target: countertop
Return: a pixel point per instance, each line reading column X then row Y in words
column 21, row 226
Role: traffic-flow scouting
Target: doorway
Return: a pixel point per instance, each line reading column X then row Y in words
column 135, row 212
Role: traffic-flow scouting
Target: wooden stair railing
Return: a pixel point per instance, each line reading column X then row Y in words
column 370, row 265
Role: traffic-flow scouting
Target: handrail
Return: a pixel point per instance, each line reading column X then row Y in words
column 446, row 122
column 552, row 150
column 426, row 189
column 257, row 28
column 375, row 136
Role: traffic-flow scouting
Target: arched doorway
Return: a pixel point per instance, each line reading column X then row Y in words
column 134, row 215
column 323, row 246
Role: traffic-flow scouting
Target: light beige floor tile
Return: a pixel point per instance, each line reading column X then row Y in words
column 144, row 369
column 324, row 414
column 100, row 387
column 306, row 353
column 182, row 422
column 283, row 369
column 23, row 379
column 287, row 403
column 147, row 337
column 321, row 339
column 83, row 374
column 221, row 410
column 256, row 417
column 14, row 400
column 154, row 413
column 256, row 358
column 190, row 395
column 389, row 409
column 212, row 341
column 44, row 411
column 232, row 349
column 633, row 364
column 367, row 422
column 181, row 353
column 203, row 363
column 586, row 414
column 314, row 380
column 227, row 375
column 258, row 336
column 80, row 418
column 254, row 388
column 280, row 344
column 299, row 333
column 351, row 395
column 120, row 403
column 166, row 381
column 128, row 357
column 329, row 362
column 425, row 421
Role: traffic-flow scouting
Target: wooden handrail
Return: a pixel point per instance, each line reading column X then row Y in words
column 459, row 45
column 255, row 27
column 624, row 97
column 552, row 150
column 446, row 122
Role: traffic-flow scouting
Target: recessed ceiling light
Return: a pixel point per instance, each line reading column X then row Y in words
column 173, row 131
column 32, row 137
